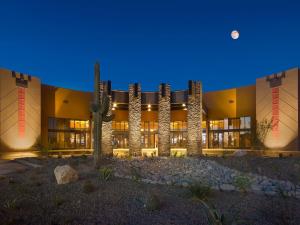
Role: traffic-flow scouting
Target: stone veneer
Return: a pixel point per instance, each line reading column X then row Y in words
column 164, row 112
column 194, row 120
column 107, row 149
column 134, row 120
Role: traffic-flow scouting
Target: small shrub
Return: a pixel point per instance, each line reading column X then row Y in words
column 175, row 154
column 58, row 200
column 84, row 156
column 136, row 173
column 10, row 204
column 153, row 154
column 200, row 191
column 11, row 180
column 152, row 202
column 242, row 183
column 88, row 187
column 105, row 173
column 214, row 216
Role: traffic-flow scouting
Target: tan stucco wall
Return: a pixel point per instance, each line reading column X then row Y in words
column 288, row 110
column 9, row 112
column 230, row 103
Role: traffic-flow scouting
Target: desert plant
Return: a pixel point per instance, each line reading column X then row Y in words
column 200, row 191
column 136, row 173
column 99, row 108
column 214, row 216
column 44, row 149
column 262, row 129
column 58, row 200
column 242, row 183
column 106, row 173
column 84, row 156
column 88, row 187
column 152, row 202
column 10, row 203
column 175, row 154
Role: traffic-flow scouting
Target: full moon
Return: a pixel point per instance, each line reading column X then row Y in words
column 235, row 34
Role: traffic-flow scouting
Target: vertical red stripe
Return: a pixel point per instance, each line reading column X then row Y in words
column 21, row 111
column 275, row 111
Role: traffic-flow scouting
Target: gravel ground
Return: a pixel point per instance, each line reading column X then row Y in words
column 33, row 197
column 287, row 168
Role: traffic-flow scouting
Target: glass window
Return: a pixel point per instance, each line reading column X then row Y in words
column 72, row 124
column 68, row 133
column 248, row 122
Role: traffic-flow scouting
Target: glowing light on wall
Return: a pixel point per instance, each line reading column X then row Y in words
column 21, row 111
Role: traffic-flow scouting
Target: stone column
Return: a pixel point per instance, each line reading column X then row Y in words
column 134, row 119
column 194, row 118
column 107, row 149
column 164, row 117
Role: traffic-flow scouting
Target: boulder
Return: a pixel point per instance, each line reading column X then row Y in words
column 65, row 174
column 240, row 153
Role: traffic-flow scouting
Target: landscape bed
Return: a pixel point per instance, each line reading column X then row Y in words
column 34, row 197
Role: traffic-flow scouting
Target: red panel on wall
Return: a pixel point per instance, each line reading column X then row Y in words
column 275, row 111
column 21, row 111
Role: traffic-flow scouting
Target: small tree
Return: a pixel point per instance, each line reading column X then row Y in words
column 262, row 129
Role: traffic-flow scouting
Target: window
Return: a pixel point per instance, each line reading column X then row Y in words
column 120, row 134
column 149, row 131
column 178, row 134
column 230, row 133
column 68, row 133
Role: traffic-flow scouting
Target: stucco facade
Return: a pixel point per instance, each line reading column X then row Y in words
column 162, row 122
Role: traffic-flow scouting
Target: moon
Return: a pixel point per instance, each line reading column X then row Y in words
column 235, row 34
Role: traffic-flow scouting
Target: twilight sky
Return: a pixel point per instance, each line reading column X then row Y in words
column 149, row 41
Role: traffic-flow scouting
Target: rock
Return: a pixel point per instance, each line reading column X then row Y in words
column 227, row 187
column 255, row 188
column 240, row 153
column 65, row 174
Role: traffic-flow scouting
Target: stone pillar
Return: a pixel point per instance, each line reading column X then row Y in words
column 107, row 149
column 164, row 117
column 194, row 119
column 134, row 119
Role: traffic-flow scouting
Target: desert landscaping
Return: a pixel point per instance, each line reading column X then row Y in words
column 152, row 190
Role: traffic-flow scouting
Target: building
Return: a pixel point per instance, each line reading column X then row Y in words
column 161, row 122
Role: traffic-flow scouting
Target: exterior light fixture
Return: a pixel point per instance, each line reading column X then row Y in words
column 149, row 106
column 183, row 105
column 149, row 109
column 185, row 109
column 115, row 105
column 113, row 108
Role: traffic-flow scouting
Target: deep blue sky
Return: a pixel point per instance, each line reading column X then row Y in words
column 149, row 41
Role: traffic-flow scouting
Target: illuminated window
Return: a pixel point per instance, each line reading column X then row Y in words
column 72, row 124
column 230, row 133
column 68, row 133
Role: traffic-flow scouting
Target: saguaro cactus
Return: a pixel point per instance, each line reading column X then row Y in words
column 99, row 108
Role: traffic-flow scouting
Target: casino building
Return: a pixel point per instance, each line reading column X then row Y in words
column 161, row 122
